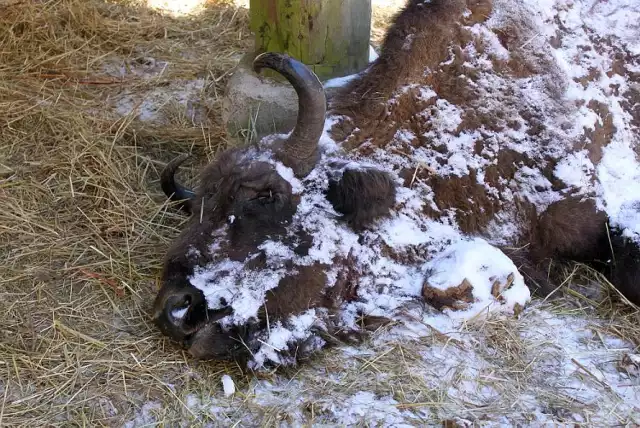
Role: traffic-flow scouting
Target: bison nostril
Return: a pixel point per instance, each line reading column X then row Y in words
column 179, row 307
column 181, row 311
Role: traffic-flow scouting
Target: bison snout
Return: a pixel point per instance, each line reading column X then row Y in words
column 181, row 312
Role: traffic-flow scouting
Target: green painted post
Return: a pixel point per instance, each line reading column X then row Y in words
column 330, row 36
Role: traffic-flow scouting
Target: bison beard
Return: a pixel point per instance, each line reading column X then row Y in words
column 258, row 202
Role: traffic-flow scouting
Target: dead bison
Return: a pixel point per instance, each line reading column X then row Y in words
column 242, row 201
column 245, row 213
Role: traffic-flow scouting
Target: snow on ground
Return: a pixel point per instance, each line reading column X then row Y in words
column 186, row 95
column 178, row 7
column 155, row 104
column 542, row 369
column 564, row 367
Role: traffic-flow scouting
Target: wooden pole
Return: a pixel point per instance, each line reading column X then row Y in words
column 330, row 36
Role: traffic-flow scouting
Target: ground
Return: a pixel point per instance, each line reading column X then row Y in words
column 94, row 98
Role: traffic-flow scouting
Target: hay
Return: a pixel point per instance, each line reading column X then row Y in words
column 83, row 223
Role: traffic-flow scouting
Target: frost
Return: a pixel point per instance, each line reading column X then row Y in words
column 575, row 170
column 148, row 107
column 145, row 415
column 228, row 386
column 481, row 265
column 366, row 407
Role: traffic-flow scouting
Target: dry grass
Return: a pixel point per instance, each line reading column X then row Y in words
column 590, row 294
column 83, row 224
column 82, row 221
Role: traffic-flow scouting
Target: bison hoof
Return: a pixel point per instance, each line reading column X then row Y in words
column 472, row 278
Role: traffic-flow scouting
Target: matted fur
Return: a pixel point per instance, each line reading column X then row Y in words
column 423, row 48
column 362, row 195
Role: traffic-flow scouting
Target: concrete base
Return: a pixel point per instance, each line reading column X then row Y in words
column 256, row 106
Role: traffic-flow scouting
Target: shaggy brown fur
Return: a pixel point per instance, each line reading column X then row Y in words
column 454, row 297
column 415, row 44
column 417, row 41
column 422, row 36
column 260, row 201
column 258, row 198
column 572, row 229
column 362, row 195
column 257, row 202
column 294, row 294
column 240, row 202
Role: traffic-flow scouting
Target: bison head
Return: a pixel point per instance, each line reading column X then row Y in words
column 241, row 236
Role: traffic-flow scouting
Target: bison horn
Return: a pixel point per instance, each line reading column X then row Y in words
column 174, row 190
column 300, row 151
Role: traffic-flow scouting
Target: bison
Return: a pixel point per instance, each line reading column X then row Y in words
column 290, row 239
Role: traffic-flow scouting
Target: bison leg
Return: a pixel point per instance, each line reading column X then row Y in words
column 624, row 271
column 575, row 230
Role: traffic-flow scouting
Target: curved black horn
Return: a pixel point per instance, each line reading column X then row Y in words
column 300, row 151
column 175, row 191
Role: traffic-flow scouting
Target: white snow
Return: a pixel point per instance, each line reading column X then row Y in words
column 338, row 82
column 287, row 173
column 619, row 176
column 566, row 370
column 228, row 385
column 576, row 169
column 373, row 55
column 481, row 265
column 145, row 416
column 147, row 106
column 365, row 407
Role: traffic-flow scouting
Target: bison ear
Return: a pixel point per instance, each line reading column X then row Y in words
column 361, row 195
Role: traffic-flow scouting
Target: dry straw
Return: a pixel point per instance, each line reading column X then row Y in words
column 83, row 224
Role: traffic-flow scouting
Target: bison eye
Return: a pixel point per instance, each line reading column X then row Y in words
column 265, row 195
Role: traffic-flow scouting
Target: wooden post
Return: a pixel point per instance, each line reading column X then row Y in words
column 330, row 36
